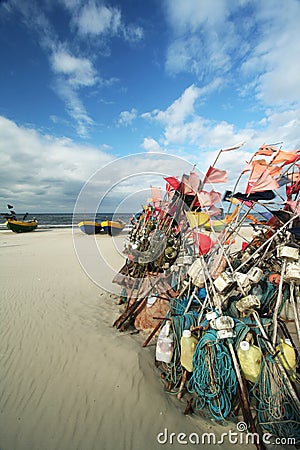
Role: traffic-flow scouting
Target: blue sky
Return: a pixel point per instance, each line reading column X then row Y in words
column 84, row 82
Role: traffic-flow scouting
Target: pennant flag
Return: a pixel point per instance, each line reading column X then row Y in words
column 275, row 171
column 266, row 150
column 208, row 198
column 284, row 157
column 214, row 175
column 265, row 195
column 263, row 183
column 213, row 211
column 194, row 181
column 293, row 159
column 204, row 242
column 172, row 183
column 294, row 189
column 156, row 194
column 295, row 205
column 283, row 180
column 197, row 219
column 190, row 183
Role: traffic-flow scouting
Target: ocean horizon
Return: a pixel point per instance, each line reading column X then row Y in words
column 66, row 220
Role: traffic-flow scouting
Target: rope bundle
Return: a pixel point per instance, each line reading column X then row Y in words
column 276, row 409
column 214, row 379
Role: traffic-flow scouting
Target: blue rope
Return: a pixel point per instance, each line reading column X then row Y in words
column 214, row 379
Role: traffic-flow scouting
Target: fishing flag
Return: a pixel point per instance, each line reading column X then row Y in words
column 283, row 180
column 197, row 218
column 266, row 150
column 265, row 195
column 194, row 181
column 295, row 205
column 292, row 160
column 213, row 211
column 172, row 183
column 284, row 157
column 265, row 182
column 214, row 175
column 208, row 198
column 204, row 242
column 190, row 183
column 156, row 194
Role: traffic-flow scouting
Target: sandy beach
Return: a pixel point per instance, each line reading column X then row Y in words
column 69, row 380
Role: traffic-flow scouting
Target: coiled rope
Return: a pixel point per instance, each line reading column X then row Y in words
column 214, row 379
column 276, row 409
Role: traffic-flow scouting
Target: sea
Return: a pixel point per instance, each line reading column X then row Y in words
column 65, row 220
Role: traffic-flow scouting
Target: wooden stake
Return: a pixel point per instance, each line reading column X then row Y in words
column 153, row 332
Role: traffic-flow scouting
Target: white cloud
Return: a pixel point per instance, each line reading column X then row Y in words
column 151, row 145
column 94, row 18
column 40, row 172
column 203, row 34
column 256, row 44
column 275, row 58
column 79, row 71
column 127, row 117
column 98, row 19
column 180, row 109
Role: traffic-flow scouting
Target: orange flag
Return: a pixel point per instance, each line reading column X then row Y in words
column 284, row 157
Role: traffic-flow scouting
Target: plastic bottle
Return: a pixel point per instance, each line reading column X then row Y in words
column 287, row 356
column 188, row 344
column 250, row 358
column 165, row 344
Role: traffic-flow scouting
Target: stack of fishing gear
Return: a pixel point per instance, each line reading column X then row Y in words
column 223, row 303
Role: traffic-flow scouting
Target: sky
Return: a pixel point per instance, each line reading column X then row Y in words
column 84, row 83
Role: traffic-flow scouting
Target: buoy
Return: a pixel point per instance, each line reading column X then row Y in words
column 287, row 356
column 250, row 358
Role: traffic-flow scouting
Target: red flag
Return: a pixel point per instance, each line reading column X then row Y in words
column 214, row 175
column 172, row 183
column 294, row 159
column 204, row 242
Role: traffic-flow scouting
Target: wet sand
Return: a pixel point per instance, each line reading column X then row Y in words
column 69, row 380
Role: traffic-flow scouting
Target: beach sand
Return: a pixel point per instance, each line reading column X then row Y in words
column 69, row 380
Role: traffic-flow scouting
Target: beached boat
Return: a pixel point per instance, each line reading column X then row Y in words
column 89, row 227
column 112, row 227
column 21, row 226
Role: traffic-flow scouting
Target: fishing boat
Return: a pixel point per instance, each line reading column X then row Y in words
column 21, row 226
column 112, row 227
column 89, row 227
